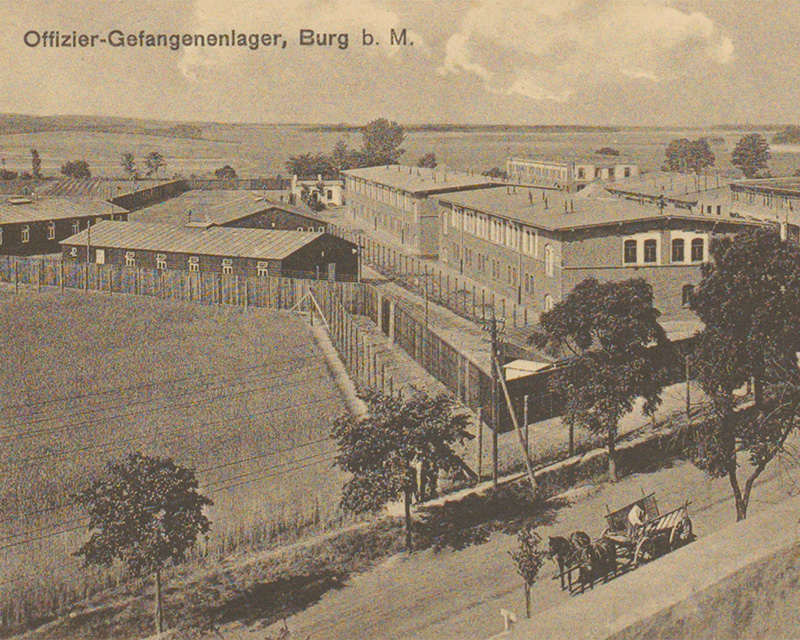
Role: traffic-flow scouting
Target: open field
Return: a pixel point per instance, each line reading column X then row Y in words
column 243, row 397
column 258, row 150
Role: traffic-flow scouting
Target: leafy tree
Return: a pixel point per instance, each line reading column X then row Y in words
column 686, row 155
column 607, row 331
column 751, row 154
column 383, row 449
column 128, row 163
column 153, row 163
column 749, row 301
column 528, row 560
column 790, row 135
column 226, row 173
column 607, row 151
column 428, row 161
column 343, row 158
column 36, row 164
column 311, row 165
column 382, row 140
column 76, row 169
column 146, row 512
column 8, row 174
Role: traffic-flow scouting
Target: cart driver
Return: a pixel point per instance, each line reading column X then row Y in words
column 636, row 516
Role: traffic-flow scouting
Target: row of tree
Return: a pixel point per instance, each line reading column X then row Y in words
column 751, row 155
column 749, row 302
column 153, row 162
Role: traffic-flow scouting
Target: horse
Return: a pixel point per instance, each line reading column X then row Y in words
column 606, row 553
column 561, row 552
column 585, row 556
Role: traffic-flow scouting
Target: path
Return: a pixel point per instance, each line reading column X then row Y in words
column 458, row 594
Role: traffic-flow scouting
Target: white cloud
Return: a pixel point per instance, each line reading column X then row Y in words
column 549, row 49
column 272, row 16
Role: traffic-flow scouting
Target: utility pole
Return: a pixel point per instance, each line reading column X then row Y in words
column 495, row 327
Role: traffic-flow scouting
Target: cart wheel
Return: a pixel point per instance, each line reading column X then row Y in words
column 681, row 533
column 645, row 552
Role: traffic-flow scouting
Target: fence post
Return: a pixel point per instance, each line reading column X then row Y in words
column 480, row 444
column 39, row 275
column 525, row 418
column 246, row 296
column 16, row 276
column 61, row 275
column 86, row 277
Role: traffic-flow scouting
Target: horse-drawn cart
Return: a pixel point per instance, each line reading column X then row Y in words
column 640, row 533
column 635, row 534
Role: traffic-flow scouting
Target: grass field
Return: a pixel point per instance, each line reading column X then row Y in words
column 243, row 397
column 257, row 150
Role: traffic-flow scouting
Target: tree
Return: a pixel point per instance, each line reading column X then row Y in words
column 428, row 161
column 76, row 169
column 384, row 448
column 749, row 301
column 607, row 151
column 128, row 163
column 608, row 332
column 343, row 158
column 528, row 560
column 311, row 165
column 226, row 173
column 153, row 162
column 36, row 164
column 145, row 511
column 751, row 154
column 382, row 140
column 686, row 155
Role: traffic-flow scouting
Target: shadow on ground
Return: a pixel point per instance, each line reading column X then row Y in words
column 472, row 519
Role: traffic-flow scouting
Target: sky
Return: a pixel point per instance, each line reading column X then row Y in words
column 593, row 62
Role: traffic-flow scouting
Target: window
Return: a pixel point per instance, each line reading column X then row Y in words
column 611, row 173
column 194, row 264
column 329, row 194
column 100, row 256
column 650, row 251
column 598, row 172
column 549, row 261
column 130, row 259
column 548, row 302
column 698, row 250
column 629, row 252
column 73, row 252
column 26, row 233
column 76, row 227
column 227, row 266
column 581, row 174
column 161, row 261
column 1, row 236
column 51, row 231
column 627, row 172
column 686, row 295
column 678, row 250
column 262, row 269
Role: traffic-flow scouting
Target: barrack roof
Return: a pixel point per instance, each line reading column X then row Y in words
column 20, row 210
column 262, row 244
column 419, row 180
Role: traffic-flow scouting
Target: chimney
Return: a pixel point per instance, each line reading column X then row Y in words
column 545, row 203
column 530, row 197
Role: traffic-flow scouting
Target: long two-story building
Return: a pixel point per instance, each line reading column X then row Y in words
column 537, row 245
column 400, row 201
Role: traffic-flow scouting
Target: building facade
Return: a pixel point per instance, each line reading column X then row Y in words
column 400, row 201
column 228, row 251
column 569, row 175
column 30, row 226
column 328, row 192
column 537, row 245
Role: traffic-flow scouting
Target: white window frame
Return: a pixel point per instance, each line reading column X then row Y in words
column 262, row 269
column 25, row 234
column 194, row 264
column 130, row 259
column 51, row 231
column 161, row 262
column 227, row 266
column 549, row 261
column 687, row 237
column 76, row 227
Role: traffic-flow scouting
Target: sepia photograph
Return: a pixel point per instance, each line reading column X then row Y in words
column 399, row 319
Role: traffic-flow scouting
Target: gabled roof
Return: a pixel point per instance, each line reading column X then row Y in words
column 262, row 244
column 19, row 210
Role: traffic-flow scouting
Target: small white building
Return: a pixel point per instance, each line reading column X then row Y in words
column 328, row 192
column 569, row 175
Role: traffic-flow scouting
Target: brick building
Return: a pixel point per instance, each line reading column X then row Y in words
column 36, row 225
column 536, row 245
column 569, row 175
column 230, row 251
column 399, row 201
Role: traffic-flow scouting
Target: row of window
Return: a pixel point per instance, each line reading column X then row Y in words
column 495, row 230
column 262, row 268
column 394, row 197
column 549, row 263
column 646, row 251
column 25, row 231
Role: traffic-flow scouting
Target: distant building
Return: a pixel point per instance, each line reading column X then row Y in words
column 682, row 190
column 328, row 192
column 569, row 175
column 230, row 208
column 228, row 251
column 536, row 245
column 35, row 225
column 398, row 201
